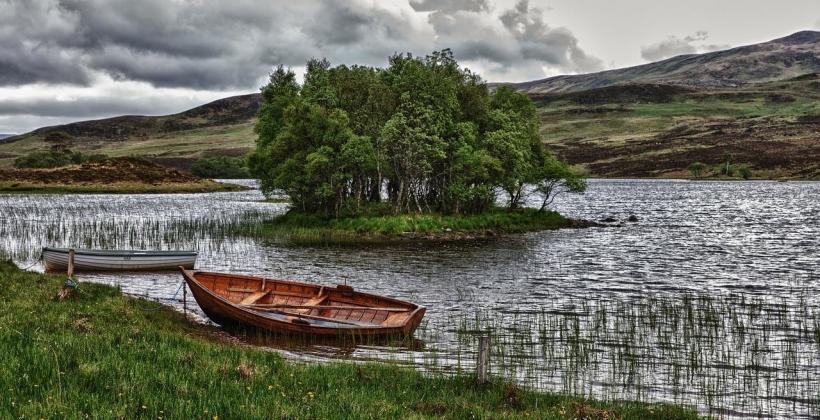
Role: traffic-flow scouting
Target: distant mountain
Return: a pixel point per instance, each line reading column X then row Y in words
column 4, row 136
column 779, row 59
column 226, row 111
column 223, row 127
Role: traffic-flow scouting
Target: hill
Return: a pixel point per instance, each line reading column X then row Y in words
column 779, row 59
column 223, row 127
column 772, row 129
column 4, row 136
column 756, row 104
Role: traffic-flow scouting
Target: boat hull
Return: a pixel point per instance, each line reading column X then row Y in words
column 56, row 259
column 222, row 307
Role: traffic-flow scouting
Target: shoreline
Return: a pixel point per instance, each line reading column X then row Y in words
column 307, row 229
column 102, row 353
column 204, row 186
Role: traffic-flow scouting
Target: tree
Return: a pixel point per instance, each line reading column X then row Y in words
column 424, row 130
column 280, row 93
column 697, row 168
column 555, row 177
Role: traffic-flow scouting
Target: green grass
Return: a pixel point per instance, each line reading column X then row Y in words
column 117, row 187
column 307, row 228
column 104, row 355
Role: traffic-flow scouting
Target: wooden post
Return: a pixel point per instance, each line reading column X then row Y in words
column 185, row 299
column 65, row 292
column 482, row 366
column 70, row 262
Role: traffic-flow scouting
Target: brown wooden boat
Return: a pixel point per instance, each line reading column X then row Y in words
column 290, row 307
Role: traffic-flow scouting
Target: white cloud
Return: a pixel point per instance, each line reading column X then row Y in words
column 673, row 46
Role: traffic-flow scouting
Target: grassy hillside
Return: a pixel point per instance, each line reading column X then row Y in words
column 223, row 127
column 778, row 59
column 658, row 130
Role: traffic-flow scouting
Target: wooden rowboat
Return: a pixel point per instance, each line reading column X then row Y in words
column 290, row 307
column 56, row 259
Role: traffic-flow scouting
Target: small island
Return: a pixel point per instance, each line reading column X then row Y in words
column 64, row 171
column 420, row 149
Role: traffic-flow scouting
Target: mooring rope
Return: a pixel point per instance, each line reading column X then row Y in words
column 160, row 305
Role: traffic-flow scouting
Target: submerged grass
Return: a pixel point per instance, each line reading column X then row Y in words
column 118, row 187
column 102, row 354
column 300, row 227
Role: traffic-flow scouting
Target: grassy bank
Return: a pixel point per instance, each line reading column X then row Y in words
column 306, row 228
column 117, row 187
column 101, row 354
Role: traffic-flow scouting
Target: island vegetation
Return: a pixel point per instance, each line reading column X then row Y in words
column 372, row 150
column 103, row 354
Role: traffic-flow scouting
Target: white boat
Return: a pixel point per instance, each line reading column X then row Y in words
column 56, row 259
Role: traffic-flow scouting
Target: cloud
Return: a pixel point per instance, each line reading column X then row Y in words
column 229, row 45
column 110, row 57
column 519, row 37
column 538, row 41
column 449, row 6
column 210, row 44
column 674, row 46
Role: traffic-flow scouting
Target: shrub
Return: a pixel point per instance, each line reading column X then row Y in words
column 55, row 158
column 697, row 169
column 221, row 167
column 744, row 172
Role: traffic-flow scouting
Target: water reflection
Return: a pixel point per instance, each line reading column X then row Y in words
column 707, row 300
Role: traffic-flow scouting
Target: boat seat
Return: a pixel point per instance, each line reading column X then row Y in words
column 312, row 302
column 254, row 297
column 316, row 301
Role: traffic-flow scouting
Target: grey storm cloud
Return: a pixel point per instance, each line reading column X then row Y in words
column 449, row 6
column 230, row 45
column 84, row 107
column 673, row 46
column 519, row 36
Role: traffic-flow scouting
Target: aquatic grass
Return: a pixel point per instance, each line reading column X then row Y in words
column 202, row 186
column 102, row 354
column 750, row 355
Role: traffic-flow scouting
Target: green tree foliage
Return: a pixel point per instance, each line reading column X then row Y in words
column 423, row 135
column 221, row 167
column 697, row 169
column 55, row 158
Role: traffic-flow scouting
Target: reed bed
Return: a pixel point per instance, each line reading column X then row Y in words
column 727, row 354
column 101, row 354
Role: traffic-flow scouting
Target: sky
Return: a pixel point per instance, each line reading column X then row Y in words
column 69, row 60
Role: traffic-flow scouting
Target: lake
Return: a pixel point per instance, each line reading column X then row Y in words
column 708, row 300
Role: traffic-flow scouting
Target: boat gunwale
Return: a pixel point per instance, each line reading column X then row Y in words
column 121, row 253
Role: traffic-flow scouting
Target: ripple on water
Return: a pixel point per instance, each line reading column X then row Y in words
column 707, row 300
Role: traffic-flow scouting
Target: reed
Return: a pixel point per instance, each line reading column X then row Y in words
column 117, row 187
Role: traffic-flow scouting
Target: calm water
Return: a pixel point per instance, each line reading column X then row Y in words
column 708, row 300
